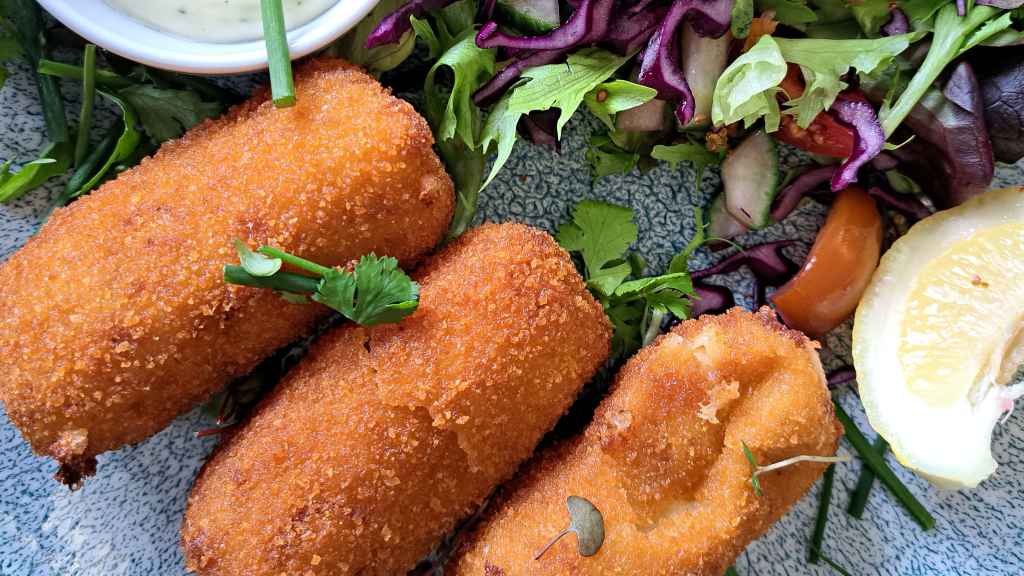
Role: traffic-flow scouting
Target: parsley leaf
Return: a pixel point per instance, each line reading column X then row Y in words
column 691, row 152
column 377, row 292
column 165, row 113
column 605, row 157
column 601, row 234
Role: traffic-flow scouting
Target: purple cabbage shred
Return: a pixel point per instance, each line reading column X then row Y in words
column 855, row 111
column 634, row 29
column 395, row 25
column 790, row 196
column 897, row 24
column 711, row 299
column 588, row 23
column 660, row 68
column 539, row 127
column 840, row 376
column 766, row 261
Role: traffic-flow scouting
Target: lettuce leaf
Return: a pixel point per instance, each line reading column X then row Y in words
column 746, row 89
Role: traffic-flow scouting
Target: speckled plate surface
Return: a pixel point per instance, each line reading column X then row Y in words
column 125, row 520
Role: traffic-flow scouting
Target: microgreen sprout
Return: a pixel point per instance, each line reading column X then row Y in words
column 375, row 291
column 586, row 521
column 759, row 469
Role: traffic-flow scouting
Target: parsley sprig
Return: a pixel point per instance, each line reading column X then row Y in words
column 601, row 234
column 374, row 291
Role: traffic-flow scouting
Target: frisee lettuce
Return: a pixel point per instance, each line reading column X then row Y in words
column 610, row 98
column 746, row 89
column 454, row 112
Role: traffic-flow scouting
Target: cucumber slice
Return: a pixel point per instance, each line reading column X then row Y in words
column 750, row 174
column 530, row 16
column 721, row 224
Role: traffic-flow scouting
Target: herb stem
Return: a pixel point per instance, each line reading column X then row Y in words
column 282, row 88
column 552, row 543
column 801, row 458
column 865, row 482
column 103, row 78
column 282, row 281
column 88, row 99
column 301, row 263
column 877, row 464
column 653, row 328
column 819, row 523
column 27, row 19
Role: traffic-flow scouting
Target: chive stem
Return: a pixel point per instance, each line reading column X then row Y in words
column 103, row 78
column 282, row 88
column 282, row 281
column 296, row 261
column 819, row 523
column 865, row 482
column 877, row 464
column 88, row 99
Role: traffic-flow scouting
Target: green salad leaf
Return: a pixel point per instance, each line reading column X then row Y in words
column 471, row 66
column 789, row 12
column 123, row 148
column 693, row 152
column 746, row 89
column 742, row 18
column 610, row 98
column 606, row 157
column 564, row 86
column 166, row 113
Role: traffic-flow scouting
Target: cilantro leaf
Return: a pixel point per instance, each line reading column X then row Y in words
column 600, row 232
column 454, row 112
column 605, row 157
column 746, row 89
column 610, row 98
column 690, row 152
column 166, row 113
column 564, row 86
column 377, row 292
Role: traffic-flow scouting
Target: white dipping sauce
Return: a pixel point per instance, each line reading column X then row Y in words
column 216, row 20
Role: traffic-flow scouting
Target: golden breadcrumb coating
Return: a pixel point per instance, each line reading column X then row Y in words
column 662, row 459
column 383, row 438
column 115, row 318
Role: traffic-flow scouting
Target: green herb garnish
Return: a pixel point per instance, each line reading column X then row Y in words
column 88, row 98
column 374, row 292
column 753, row 464
column 26, row 22
column 759, row 469
column 123, row 148
column 865, row 482
column 279, row 62
column 586, row 521
column 819, row 522
column 877, row 464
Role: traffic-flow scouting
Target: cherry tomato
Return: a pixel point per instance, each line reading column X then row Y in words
column 837, row 270
column 825, row 136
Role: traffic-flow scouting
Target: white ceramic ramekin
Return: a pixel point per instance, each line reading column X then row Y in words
column 104, row 26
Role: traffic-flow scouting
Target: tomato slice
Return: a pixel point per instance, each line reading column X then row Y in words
column 825, row 136
column 838, row 268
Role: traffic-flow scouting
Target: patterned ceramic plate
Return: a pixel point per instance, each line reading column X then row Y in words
column 125, row 520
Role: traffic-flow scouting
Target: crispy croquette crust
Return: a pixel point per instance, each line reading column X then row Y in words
column 115, row 318
column 383, row 438
column 663, row 461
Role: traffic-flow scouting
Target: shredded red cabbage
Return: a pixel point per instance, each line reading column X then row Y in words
column 853, row 110
column 897, row 24
column 766, row 261
column 635, row 28
column 884, row 161
column 1004, row 4
column 961, row 7
column 906, row 204
column 840, row 376
column 660, row 67
column 394, row 25
column 711, row 299
column 790, row 196
column 496, row 86
column 487, row 10
column 588, row 24
column 539, row 127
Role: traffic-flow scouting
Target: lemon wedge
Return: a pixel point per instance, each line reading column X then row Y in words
column 939, row 335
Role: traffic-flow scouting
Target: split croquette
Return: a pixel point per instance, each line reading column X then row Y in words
column 663, row 461
column 382, row 438
column 115, row 318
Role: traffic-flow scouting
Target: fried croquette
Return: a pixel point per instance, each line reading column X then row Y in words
column 383, row 438
column 663, row 461
column 115, row 318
